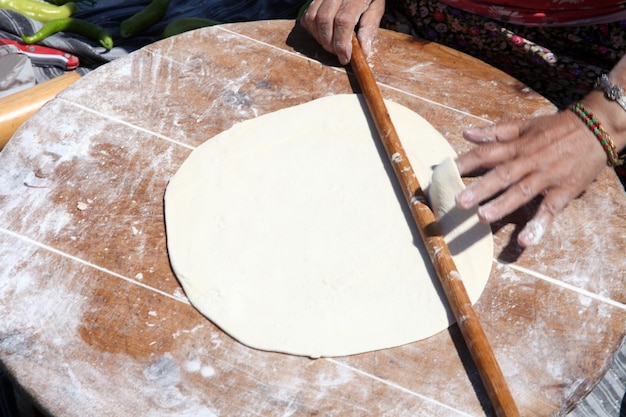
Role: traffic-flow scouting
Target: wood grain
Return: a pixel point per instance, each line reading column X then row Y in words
column 426, row 222
column 94, row 323
column 16, row 108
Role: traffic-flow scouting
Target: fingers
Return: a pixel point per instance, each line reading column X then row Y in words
column 366, row 36
column 521, row 179
column 502, row 132
column 555, row 200
column 319, row 20
column 369, row 24
column 345, row 21
column 554, row 156
column 332, row 22
column 486, row 156
column 553, row 203
column 493, row 149
column 518, row 175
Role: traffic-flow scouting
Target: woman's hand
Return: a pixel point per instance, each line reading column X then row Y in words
column 332, row 22
column 556, row 156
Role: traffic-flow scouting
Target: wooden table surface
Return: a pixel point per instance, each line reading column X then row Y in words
column 94, row 323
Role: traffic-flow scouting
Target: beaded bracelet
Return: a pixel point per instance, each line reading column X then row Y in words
column 603, row 137
column 611, row 91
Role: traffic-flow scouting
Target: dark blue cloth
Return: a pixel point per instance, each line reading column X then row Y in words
column 110, row 13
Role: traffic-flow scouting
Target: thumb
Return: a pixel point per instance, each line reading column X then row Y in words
column 366, row 35
column 369, row 24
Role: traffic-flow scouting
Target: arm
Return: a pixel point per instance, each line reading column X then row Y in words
column 331, row 22
column 556, row 156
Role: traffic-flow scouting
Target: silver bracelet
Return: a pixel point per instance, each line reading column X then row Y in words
column 611, row 91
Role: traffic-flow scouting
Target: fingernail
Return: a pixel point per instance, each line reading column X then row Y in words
column 344, row 59
column 479, row 134
column 473, row 131
column 532, row 233
column 487, row 213
column 465, row 198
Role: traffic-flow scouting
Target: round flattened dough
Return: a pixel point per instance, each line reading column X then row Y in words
column 288, row 231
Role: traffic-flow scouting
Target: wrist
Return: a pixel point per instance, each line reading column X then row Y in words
column 611, row 116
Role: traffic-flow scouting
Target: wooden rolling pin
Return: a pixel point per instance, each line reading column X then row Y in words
column 460, row 304
column 16, row 108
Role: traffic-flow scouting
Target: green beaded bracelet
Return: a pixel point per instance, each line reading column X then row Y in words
column 612, row 158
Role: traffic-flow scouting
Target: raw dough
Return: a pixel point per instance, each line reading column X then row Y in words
column 288, row 231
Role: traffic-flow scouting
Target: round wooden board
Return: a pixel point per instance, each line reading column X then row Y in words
column 94, row 323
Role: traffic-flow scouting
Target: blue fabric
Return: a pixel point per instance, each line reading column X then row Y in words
column 8, row 405
column 110, row 13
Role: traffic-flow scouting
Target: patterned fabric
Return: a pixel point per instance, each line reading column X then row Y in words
column 110, row 13
column 545, row 12
column 403, row 16
column 561, row 63
column 607, row 399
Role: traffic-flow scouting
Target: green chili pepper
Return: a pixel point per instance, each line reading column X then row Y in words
column 38, row 10
column 151, row 14
column 70, row 24
column 186, row 24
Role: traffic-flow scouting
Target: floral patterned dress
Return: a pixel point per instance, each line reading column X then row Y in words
column 545, row 12
column 561, row 62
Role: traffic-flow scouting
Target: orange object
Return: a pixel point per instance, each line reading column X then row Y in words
column 16, row 108
column 467, row 320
